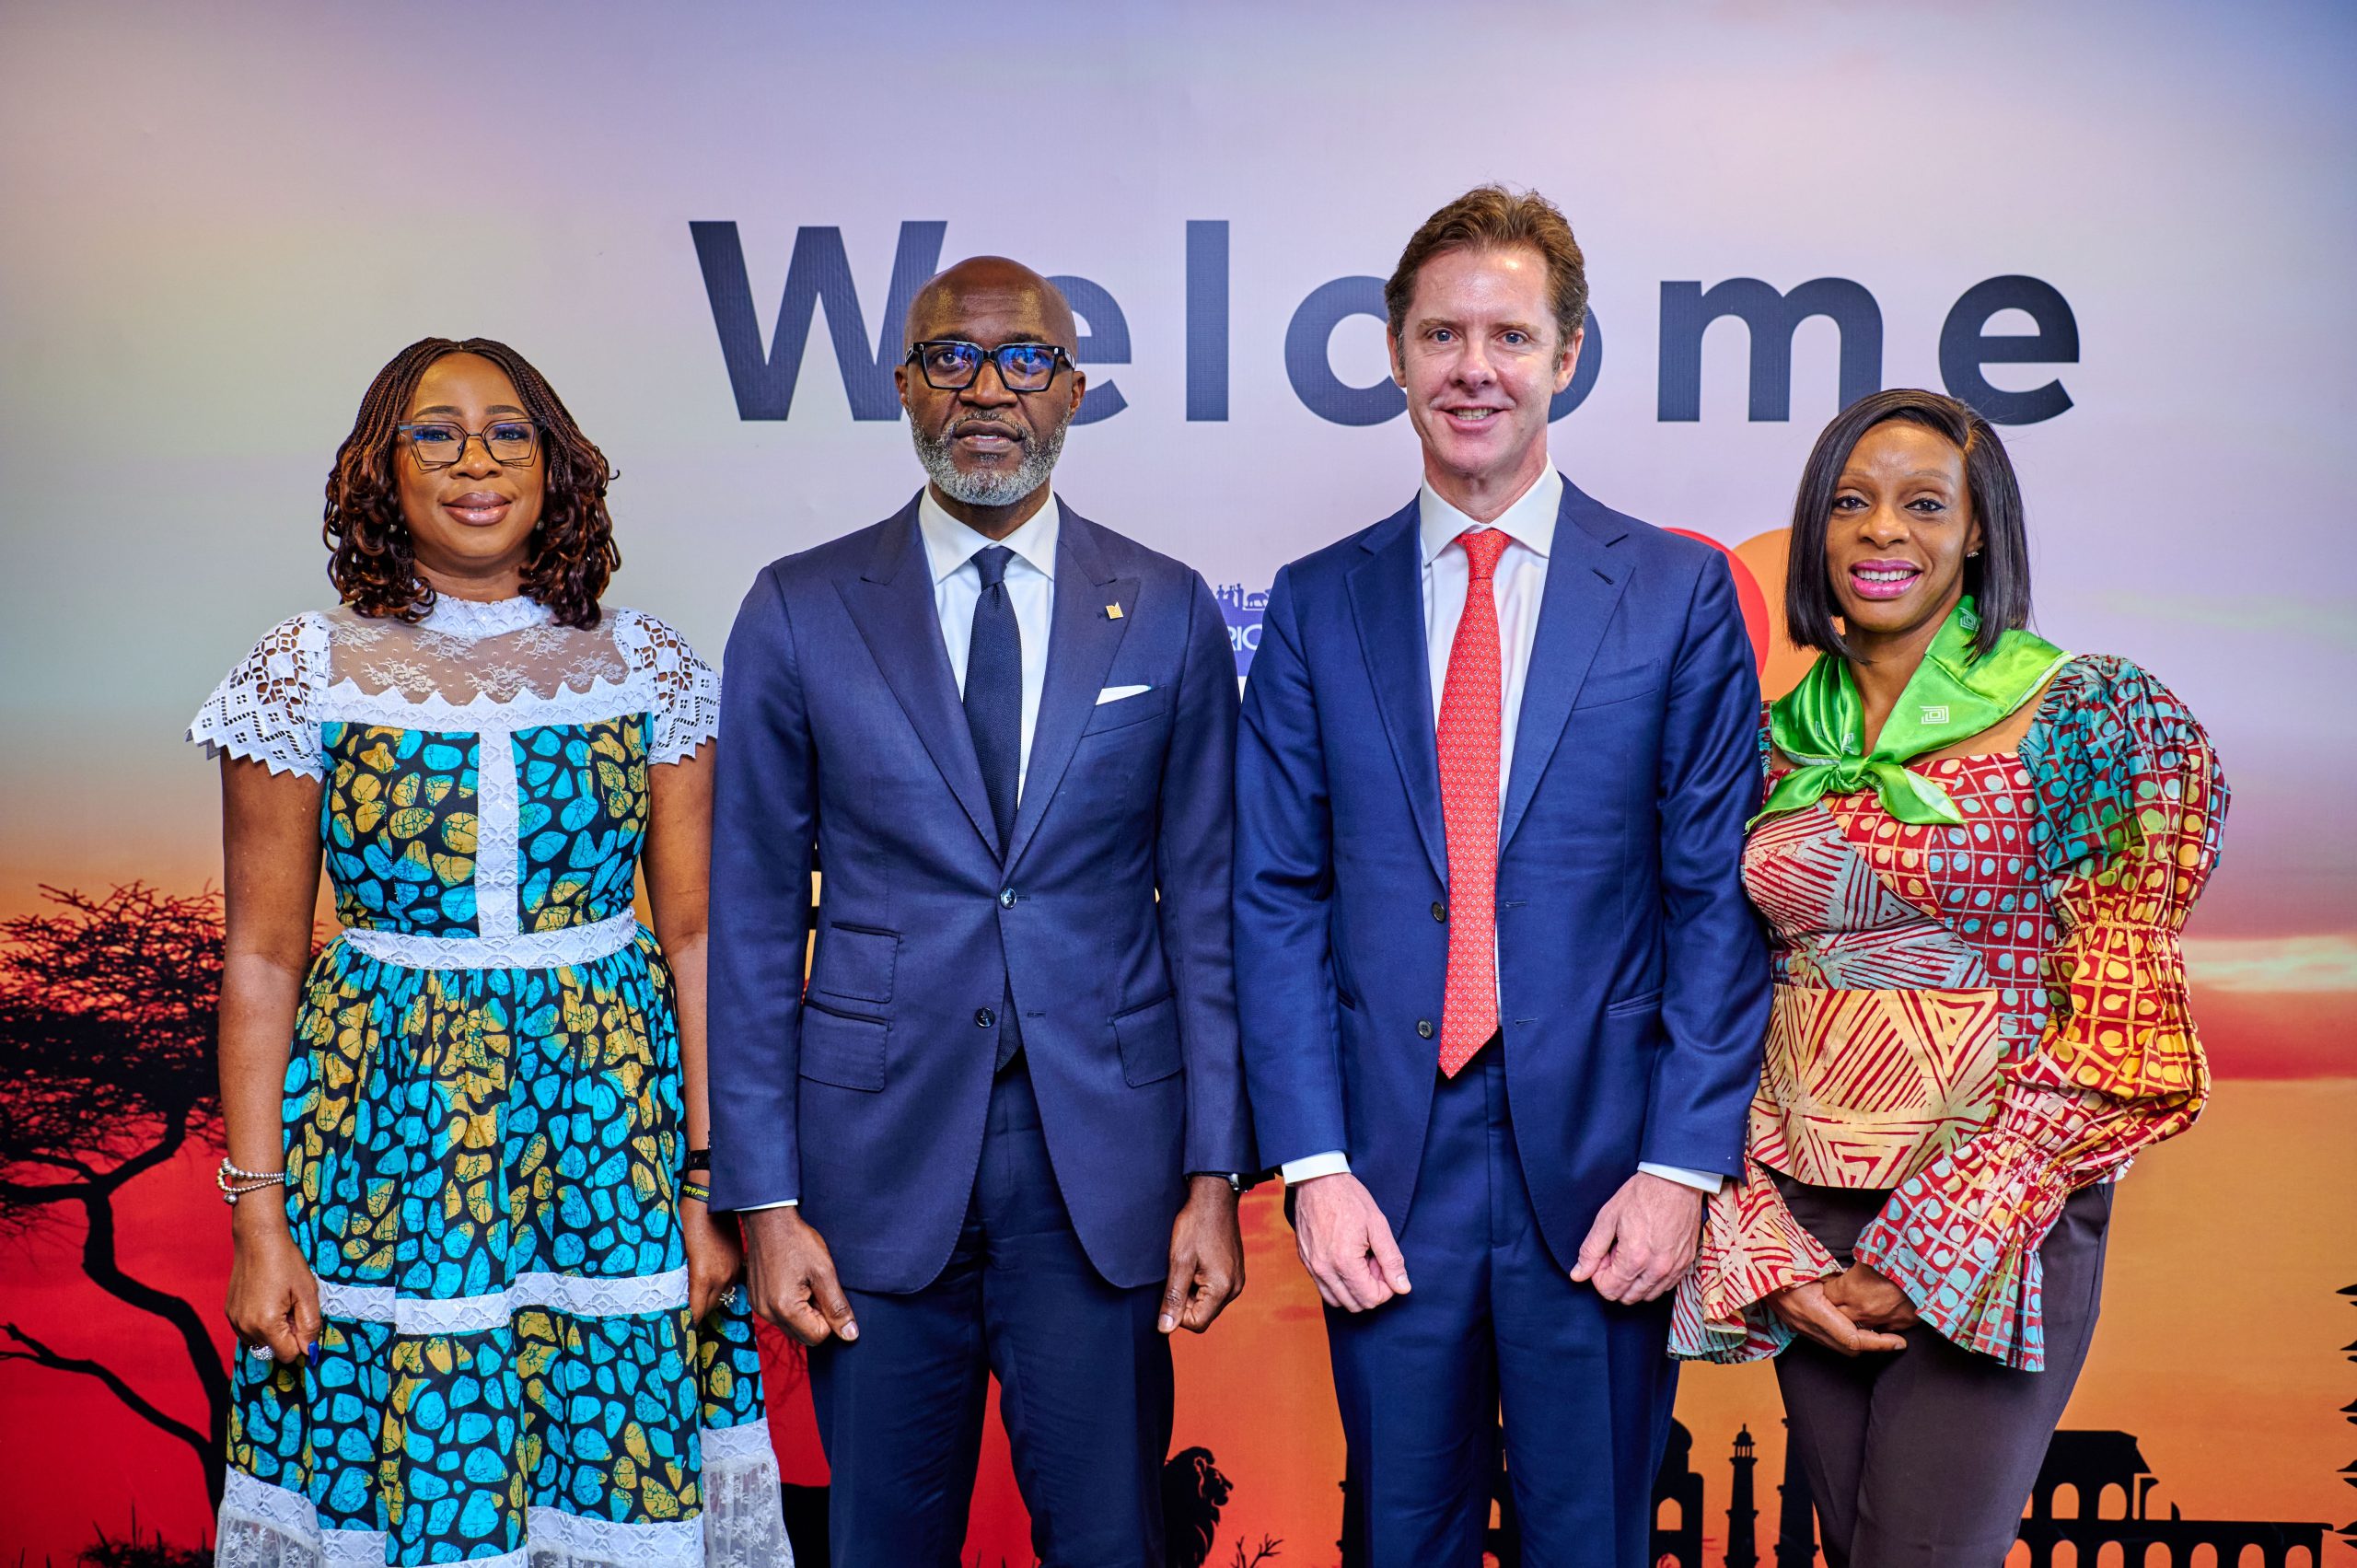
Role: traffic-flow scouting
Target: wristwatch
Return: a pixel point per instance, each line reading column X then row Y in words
column 1237, row 1181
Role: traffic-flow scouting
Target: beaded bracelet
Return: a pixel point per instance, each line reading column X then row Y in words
column 235, row 1184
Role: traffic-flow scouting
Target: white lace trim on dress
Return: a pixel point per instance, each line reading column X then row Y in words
column 687, row 690
column 262, row 711
column 262, row 1526
column 743, row 1443
column 467, row 667
column 571, row 1293
column 743, row 1524
column 518, row 950
column 347, row 703
column 484, row 617
column 499, row 909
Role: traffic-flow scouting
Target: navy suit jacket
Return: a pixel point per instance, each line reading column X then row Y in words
column 1632, row 976
column 841, row 736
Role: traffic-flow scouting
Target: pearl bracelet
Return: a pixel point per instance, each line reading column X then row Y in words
column 235, row 1184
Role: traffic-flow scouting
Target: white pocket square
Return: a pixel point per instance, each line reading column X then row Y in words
column 1115, row 693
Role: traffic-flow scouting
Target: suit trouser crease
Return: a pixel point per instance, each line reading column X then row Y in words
column 1923, row 1457
column 1493, row 1332
column 1084, row 1382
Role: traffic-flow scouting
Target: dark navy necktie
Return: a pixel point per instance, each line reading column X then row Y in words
column 994, row 689
column 995, row 716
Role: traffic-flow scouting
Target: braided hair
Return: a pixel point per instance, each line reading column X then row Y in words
column 372, row 562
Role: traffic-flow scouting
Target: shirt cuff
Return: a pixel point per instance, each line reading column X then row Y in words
column 780, row 1203
column 1701, row 1181
column 1333, row 1162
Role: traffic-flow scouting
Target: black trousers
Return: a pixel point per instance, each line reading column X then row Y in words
column 1084, row 1382
column 1923, row 1458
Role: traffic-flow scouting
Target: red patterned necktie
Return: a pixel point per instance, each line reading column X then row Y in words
column 1471, row 702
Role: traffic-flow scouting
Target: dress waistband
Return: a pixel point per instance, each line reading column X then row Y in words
column 518, row 950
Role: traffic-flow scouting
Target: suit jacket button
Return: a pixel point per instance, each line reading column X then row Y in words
column 1440, row 910
column 1424, row 1028
column 984, row 1018
column 1006, row 897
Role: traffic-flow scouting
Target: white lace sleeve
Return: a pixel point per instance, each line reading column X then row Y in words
column 687, row 690
column 262, row 711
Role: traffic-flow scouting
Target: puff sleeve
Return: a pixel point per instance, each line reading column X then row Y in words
column 2130, row 808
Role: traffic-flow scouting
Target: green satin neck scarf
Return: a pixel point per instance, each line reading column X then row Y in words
column 1954, row 693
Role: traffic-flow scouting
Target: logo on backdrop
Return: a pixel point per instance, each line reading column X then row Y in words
column 1243, row 609
column 763, row 373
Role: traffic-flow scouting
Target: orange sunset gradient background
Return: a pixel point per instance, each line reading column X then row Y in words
column 2218, row 1346
column 223, row 218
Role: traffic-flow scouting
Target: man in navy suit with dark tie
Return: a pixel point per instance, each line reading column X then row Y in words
column 1003, row 1132
column 1503, row 996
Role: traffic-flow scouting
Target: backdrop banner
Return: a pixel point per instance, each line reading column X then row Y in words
column 2123, row 231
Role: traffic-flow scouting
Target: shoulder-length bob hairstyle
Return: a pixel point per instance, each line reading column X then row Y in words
column 372, row 562
column 1998, row 578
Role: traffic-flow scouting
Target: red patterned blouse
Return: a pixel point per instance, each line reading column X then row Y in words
column 1979, row 1019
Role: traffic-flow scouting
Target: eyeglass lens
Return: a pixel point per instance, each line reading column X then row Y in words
column 508, row 441
column 1024, row 367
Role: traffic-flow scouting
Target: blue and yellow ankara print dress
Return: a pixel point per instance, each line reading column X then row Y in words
column 483, row 1123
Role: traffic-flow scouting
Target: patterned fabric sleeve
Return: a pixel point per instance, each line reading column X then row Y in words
column 1752, row 1247
column 687, row 690
column 2130, row 806
column 261, row 709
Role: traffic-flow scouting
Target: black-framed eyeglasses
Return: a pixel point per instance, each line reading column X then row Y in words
column 951, row 365
column 439, row 443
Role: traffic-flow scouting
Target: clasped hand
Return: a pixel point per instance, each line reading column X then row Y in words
column 1857, row 1310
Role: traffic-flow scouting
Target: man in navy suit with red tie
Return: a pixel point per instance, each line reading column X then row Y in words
column 1002, row 1132
column 1503, row 997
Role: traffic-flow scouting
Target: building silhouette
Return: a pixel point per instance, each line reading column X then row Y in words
column 1795, row 1511
column 1743, row 1533
column 2110, row 1486
column 2349, row 1474
column 2094, row 1492
column 1677, row 1536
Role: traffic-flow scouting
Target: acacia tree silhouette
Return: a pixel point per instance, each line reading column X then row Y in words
column 109, row 1013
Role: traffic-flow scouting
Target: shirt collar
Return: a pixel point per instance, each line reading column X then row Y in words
column 1530, row 521
column 950, row 544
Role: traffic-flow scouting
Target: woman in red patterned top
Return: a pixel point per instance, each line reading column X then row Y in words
column 1976, row 854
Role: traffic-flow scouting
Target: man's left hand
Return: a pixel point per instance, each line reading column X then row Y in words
column 1643, row 1239
column 1206, row 1257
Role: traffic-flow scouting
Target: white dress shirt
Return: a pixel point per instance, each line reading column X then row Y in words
column 1520, row 587
column 950, row 547
column 1031, row 582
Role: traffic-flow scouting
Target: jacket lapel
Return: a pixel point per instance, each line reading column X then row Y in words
column 891, row 603
column 1584, row 581
column 1387, row 601
column 1081, row 643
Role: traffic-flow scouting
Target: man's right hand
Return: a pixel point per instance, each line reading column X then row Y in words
column 1346, row 1243
column 791, row 1277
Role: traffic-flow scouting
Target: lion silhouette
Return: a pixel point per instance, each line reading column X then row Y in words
column 1193, row 1492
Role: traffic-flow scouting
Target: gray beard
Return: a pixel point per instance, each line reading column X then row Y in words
column 1000, row 488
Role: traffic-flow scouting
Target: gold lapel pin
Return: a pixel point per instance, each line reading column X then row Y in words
column 1112, row 613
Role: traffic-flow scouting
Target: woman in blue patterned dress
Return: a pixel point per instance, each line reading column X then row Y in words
column 487, row 1320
